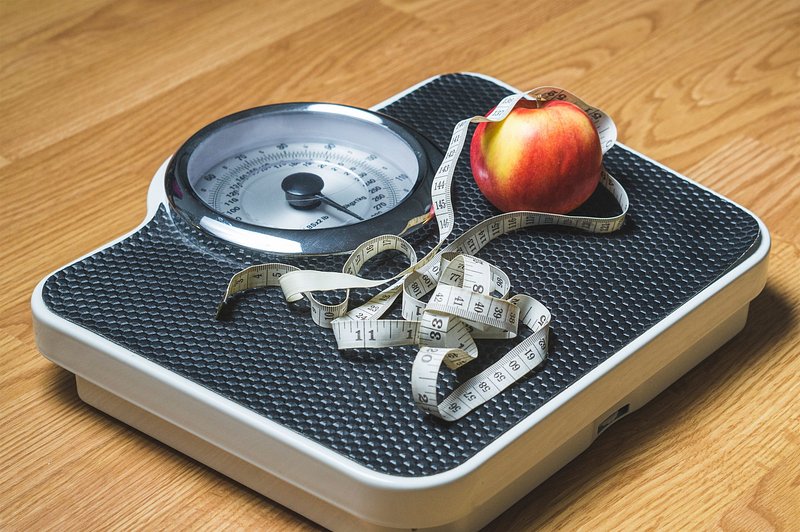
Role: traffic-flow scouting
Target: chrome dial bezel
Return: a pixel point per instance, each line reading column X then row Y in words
column 187, row 203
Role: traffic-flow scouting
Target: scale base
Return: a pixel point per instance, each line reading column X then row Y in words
column 634, row 311
column 335, row 518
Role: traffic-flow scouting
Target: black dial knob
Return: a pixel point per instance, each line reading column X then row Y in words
column 303, row 190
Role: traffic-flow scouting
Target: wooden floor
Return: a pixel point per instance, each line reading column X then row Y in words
column 94, row 95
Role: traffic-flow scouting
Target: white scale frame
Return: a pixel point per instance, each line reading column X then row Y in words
column 341, row 494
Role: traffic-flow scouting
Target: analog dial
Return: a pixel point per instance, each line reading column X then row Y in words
column 352, row 185
column 309, row 178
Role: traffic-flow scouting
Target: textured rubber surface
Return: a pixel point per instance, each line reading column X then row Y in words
column 155, row 294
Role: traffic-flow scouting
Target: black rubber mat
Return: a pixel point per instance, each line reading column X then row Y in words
column 155, row 293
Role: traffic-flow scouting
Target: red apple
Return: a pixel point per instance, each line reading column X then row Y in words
column 545, row 156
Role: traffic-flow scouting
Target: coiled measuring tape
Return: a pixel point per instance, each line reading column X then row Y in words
column 469, row 297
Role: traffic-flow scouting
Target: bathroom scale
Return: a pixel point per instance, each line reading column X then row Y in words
column 258, row 391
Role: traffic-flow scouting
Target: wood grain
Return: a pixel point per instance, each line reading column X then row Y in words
column 95, row 94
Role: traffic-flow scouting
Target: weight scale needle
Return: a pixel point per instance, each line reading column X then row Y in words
column 304, row 191
column 335, row 205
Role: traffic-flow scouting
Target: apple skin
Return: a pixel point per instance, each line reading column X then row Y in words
column 545, row 156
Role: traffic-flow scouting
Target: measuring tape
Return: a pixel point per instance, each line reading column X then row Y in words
column 468, row 298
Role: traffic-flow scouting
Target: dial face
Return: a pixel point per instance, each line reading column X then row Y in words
column 308, row 178
column 356, row 185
